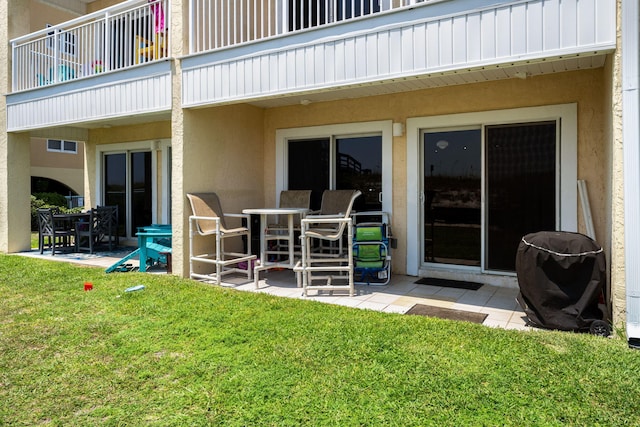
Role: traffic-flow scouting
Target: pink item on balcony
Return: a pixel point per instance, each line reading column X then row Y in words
column 158, row 13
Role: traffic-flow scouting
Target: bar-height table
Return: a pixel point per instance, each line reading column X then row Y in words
column 264, row 213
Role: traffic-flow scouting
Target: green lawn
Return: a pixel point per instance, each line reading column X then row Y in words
column 188, row 354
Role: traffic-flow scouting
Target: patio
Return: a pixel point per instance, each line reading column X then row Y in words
column 398, row 296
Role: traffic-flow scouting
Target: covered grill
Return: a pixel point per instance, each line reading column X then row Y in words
column 561, row 277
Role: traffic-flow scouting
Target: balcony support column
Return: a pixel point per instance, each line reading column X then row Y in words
column 15, row 151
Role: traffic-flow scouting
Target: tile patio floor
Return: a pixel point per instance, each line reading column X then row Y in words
column 396, row 297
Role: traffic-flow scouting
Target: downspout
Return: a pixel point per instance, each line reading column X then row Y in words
column 631, row 152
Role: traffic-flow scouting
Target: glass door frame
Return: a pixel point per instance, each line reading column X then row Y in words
column 154, row 146
column 340, row 131
column 567, row 215
column 482, row 195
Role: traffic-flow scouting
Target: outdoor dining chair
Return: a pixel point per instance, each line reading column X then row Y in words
column 108, row 226
column 337, row 265
column 86, row 234
column 100, row 229
column 209, row 219
column 57, row 234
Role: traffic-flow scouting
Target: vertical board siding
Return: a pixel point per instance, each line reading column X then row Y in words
column 121, row 99
column 532, row 30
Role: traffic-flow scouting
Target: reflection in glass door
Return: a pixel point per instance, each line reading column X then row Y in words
column 308, row 167
column 359, row 167
column 338, row 163
column 452, row 189
column 115, row 186
column 128, row 184
column 140, row 190
column 517, row 188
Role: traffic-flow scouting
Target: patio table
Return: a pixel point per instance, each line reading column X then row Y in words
column 264, row 213
column 68, row 220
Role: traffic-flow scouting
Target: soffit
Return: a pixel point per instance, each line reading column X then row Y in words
column 433, row 80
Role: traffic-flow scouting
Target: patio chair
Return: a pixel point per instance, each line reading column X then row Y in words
column 277, row 231
column 57, row 233
column 328, row 227
column 101, row 228
column 108, row 226
column 209, row 219
column 371, row 256
column 86, row 234
column 334, row 203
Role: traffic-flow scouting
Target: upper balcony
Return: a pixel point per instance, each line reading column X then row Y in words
column 115, row 63
column 113, row 39
column 309, row 50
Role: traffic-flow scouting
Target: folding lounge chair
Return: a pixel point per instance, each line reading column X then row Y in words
column 317, row 265
column 208, row 219
column 371, row 256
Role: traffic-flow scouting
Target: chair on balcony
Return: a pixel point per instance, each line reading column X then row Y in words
column 148, row 50
column 335, row 265
column 57, row 234
column 209, row 219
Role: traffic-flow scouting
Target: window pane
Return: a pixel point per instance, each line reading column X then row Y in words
column 70, row 146
column 140, row 190
column 359, row 167
column 452, row 185
column 54, row 145
column 521, row 187
column 309, row 167
column 115, row 166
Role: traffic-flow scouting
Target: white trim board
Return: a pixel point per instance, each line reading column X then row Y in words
column 568, row 197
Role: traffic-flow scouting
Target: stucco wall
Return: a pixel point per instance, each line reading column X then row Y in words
column 42, row 14
column 67, row 168
column 221, row 152
column 586, row 88
column 618, row 279
column 15, row 180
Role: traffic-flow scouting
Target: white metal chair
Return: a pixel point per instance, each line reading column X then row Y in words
column 208, row 219
column 337, row 264
column 277, row 232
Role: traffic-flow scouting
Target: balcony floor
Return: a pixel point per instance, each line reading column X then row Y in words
column 398, row 296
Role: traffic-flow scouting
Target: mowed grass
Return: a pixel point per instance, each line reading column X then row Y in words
column 183, row 353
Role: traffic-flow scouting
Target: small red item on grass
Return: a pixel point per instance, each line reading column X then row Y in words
column 88, row 286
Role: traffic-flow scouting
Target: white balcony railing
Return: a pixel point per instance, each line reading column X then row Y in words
column 118, row 37
column 136, row 31
column 217, row 24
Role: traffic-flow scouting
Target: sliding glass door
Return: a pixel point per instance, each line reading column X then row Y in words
column 128, row 184
column 484, row 188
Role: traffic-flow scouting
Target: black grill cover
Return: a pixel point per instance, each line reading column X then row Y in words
column 561, row 276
